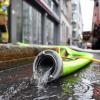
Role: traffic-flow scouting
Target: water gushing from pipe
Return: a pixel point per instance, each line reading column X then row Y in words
column 47, row 66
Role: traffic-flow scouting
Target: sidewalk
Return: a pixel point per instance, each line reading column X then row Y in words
column 13, row 55
column 17, row 55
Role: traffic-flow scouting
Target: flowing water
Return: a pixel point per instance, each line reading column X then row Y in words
column 41, row 78
column 15, row 84
column 44, row 79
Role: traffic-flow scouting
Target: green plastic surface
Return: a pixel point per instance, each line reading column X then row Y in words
column 75, row 60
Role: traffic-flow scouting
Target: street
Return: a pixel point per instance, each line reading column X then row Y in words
column 15, row 84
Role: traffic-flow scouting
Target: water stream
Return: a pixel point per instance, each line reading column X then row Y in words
column 44, row 79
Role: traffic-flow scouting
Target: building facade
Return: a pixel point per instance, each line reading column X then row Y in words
column 77, row 24
column 40, row 21
column 35, row 21
column 96, row 25
column 96, row 19
column 65, row 22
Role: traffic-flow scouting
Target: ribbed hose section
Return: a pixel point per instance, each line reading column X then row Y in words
column 48, row 60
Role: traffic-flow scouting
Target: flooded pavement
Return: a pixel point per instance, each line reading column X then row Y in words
column 16, row 84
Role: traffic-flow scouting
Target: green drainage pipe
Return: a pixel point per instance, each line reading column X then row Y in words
column 61, row 60
column 61, row 63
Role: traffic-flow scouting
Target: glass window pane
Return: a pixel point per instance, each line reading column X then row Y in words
column 50, row 32
column 31, row 25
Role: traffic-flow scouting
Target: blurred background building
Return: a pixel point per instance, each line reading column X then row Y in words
column 35, row 21
column 65, row 22
column 96, row 25
column 48, row 22
column 77, row 24
column 41, row 21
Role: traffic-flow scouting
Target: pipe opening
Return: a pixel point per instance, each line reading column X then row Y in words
column 45, row 62
column 48, row 65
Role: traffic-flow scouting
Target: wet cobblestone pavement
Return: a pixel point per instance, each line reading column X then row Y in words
column 15, row 84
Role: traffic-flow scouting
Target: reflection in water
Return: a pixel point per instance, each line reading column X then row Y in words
column 81, row 85
column 83, row 90
column 78, row 88
column 9, row 90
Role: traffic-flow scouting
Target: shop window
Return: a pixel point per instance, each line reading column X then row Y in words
column 26, row 22
column 64, row 33
column 73, row 33
column 50, row 31
column 31, row 25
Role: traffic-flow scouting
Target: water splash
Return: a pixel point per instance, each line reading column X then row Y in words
column 41, row 76
column 44, row 79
